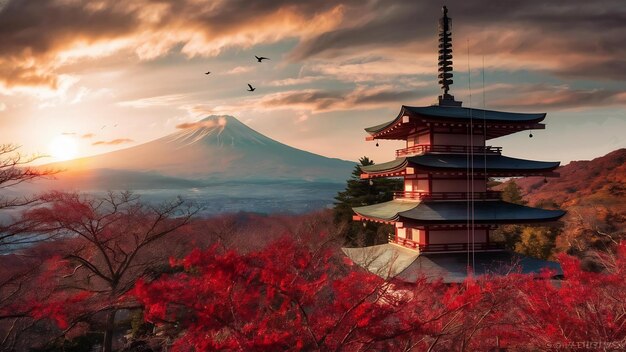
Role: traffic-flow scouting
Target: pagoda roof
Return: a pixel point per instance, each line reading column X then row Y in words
column 493, row 162
column 456, row 114
column 393, row 261
column 452, row 267
column 387, row 211
column 498, row 211
column 454, row 212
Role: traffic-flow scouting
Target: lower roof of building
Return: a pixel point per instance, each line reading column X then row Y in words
column 394, row 261
column 455, row 212
column 461, row 162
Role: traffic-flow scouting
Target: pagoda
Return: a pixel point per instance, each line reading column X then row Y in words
column 446, row 211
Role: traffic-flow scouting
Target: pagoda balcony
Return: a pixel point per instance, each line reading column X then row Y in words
column 447, row 247
column 489, row 195
column 419, row 149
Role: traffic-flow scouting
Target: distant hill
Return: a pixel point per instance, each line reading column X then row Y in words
column 598, row 181
column 594, row 195
column 215, row 149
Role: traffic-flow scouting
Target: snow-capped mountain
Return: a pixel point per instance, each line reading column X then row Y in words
column 217, row 148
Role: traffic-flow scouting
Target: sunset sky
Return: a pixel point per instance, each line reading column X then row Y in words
column 96, row 76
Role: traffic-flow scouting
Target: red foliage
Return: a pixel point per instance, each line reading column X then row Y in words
column 289, row 296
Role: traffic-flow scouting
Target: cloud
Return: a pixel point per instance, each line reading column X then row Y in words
column 239, row 70
column 113, row 142
column 41, row 37
column 320, row 101
column 87, row 135
column 569, row 38
column 204, row 123
column 68, row 133
column 543, row 96
column 162, row 100
column 294, row 81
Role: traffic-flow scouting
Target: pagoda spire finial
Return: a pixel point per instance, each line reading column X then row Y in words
column 445, row 60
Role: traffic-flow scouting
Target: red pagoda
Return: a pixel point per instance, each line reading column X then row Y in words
column 446, row 211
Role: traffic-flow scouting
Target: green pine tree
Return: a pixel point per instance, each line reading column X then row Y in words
column 358, row 193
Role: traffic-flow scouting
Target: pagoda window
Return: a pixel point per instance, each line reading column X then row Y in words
column 401, row 232
column 416, row 185
column 409, row 233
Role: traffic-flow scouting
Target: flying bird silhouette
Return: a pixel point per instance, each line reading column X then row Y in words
column 259, row 59
column 206, row 73
column 251, row 87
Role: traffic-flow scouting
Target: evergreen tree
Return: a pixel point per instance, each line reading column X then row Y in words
column 358, row 193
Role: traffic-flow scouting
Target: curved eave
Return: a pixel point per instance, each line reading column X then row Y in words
column 484, row 212
column 457, row 163
column 388, row 167
column 452, row 267
column 386, row 211
column 394, row 129
column 458, row 113
column 499, row 163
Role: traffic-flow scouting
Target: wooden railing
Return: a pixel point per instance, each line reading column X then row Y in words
column 461, row 247
column 489, row 195
column 446, row 247
column 404, row 241
column 461, row 149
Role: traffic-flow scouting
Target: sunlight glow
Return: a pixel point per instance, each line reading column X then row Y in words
column 63, row 148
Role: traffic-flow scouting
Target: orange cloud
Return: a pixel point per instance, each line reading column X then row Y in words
column 113, row 142
column 204, row 123
column 87, row 135
column 39, row 38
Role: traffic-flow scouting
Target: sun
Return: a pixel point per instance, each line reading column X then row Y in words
column 63, row 148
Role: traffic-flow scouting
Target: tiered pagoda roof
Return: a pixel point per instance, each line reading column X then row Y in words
column 432, row 212
column 413, row 119
column 445, row 200
column 494, row 164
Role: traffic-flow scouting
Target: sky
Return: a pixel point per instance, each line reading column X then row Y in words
column 80, row 78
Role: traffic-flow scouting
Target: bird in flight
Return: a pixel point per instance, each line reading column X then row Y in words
column 259, row 59
column 251, row 89
column 206, row 73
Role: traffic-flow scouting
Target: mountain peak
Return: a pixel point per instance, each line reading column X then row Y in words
column 220, row 119
column 221, row 130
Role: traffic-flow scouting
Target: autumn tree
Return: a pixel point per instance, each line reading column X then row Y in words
column 109, row 243
column 512, row 193
column 360, row 192
column 15, row 169
column 288, row 296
